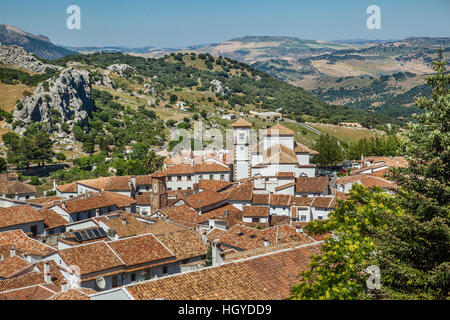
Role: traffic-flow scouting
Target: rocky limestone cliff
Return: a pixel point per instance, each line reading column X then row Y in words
column 18, row 57
column 65, row 98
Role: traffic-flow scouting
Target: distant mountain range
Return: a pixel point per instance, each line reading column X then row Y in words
column 385, row 75
column 39, row 45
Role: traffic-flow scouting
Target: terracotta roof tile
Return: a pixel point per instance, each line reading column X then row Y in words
column 11, row 187
column 260, row 199
column 213, row 185
column 134, row 227
column 25, row 244
column 279, row 154
column 241, row 192
column 267, row 277
column 139, row 250
column 280, row 200
column 203, row 199
column 279, row 129
column 18, row 215
column 10, row 266
column 35, row 292
column 251, row 211
column 144, row 180
column 68, row 188
column 94, row 257
column 245, row 238
column 179, row 169
column 228, row 213
column 241, row 123
column 323, row 202
column 45, row 200
column 26, row 280
column 184, row 244
column 71, row 294
column 311, row 184
column 52, row 219
column 109, row 183
column 210, row 168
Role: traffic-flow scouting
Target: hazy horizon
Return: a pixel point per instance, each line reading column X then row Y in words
column 176, row 23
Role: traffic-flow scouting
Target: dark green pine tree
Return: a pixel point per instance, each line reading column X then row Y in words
column 414, row 250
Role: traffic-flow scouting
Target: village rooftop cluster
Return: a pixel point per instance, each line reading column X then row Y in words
column 209, row 225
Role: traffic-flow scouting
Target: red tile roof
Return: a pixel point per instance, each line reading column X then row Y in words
column 16, row 215
column 68, row 188
column 311, row 184
column 260, row 199
column 25, row 244
column 245, row 238
column 35, row 292
column 279, row 130
column 241, row 123
column 11, row 266
column 179, row 169
column 241, row 192
column 52, row 219
column 139, row 250
column 204, row 199
column 90, row 258
column 280, row 200
column 213, row 185
column 109, row 183
column 251, row 211
column 267, row 277
column 210, row 168
column 184, row 244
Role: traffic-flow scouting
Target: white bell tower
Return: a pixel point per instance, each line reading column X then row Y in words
column 241, row 149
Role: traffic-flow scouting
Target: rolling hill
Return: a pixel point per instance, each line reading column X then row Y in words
column 39, row 45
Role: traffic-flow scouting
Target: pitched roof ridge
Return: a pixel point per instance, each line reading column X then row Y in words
column 231, row 262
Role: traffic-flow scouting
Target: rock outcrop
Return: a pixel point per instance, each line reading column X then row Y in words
column 18, row 57
column 65, row 98
column 121, row 69
column 217, row 88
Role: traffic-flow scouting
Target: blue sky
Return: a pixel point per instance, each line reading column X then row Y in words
column 177, row 23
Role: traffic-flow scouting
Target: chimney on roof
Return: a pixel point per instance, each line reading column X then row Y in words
column 124, row 221
column 47, row 278
column 217, row 258
column 133, row 181
column 2, row 258
column 12, row 251
column 225, row 213
column 266, row 242
column 64, row 286
column 204, row 237
column 46, row 267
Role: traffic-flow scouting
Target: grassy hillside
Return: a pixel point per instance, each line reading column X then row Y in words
column 190, row 77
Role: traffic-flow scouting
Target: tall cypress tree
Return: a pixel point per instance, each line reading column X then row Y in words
column 414, row 250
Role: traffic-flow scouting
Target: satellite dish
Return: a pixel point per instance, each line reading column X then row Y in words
column 101, row 283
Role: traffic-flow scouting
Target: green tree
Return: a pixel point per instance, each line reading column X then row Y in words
column 338, row 273
column 173, row 98
column 2, row 165
column 330, row 152
column 414, row 251
column 153, row 162
column 60, row 156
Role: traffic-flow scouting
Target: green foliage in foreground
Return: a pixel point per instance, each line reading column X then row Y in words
column 406, row 235
column 338, row 273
